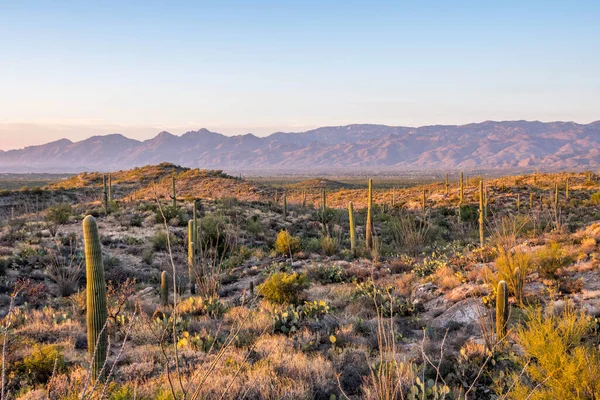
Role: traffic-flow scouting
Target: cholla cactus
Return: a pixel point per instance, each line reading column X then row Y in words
column 97, row 335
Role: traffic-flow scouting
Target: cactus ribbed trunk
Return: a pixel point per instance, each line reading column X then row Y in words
column 369, row 224
column 105, row 193
column 110, row 196
column 97, row 335
column 304, row 199
column 352, row 228
column 423, row 202
column 518, row 202
column 556, row 194
column 284, row 206
column 501, row 310
column 447, row 185
column 174, row 194
column 324, row 210
column 481, row 213
column 567, row 190
column 195, row 232
column 531, row 201
column 164, row 288
column 462, row 188
column 191, row 257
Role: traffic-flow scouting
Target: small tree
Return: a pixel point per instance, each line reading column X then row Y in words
column 58, row 215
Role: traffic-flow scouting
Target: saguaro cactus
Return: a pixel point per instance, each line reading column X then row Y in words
column 369, row 224
column 567, row 189
column 531, row 201
column 110, row 187
column 502, row 310
column 164, row 288
column 518, row 202
column 174, row 190
column 323, row 206
column 481, row 213
column 304, row 199
column 97, row 335
column 105, row 193
column 284, row 205
column 556, row 194
column 352, row 228
column 191, row 257
column 447, row 185
column 423, row 201
column 462, row 188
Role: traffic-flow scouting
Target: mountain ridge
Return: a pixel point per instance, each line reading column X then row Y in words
column 484, row 145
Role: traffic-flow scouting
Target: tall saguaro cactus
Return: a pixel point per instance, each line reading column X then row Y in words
column 174, row 190
column 567, row 189
column 531, row 201
column 502, row 310
column 352, row 228
column 97, row 335
column 556, row 194
column 303, row 198
column 323, row 207
column 447, row 185
column 110, row 196
column 105, row 193
column 369, row 224
column 481, row 213
column 462, row 188
column 191, row 257
column 518, row 202
column 284, row 205
column 423, row 201
column 164, row 288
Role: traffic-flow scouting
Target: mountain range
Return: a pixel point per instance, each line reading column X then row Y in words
column 489, row 145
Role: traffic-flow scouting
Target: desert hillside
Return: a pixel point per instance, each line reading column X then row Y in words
column 223, row 288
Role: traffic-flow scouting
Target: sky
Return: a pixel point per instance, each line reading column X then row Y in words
column 80, row 68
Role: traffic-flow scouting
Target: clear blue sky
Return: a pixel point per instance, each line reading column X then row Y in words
column 76, row 68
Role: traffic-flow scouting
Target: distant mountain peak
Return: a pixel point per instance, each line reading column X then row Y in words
column 483, row 145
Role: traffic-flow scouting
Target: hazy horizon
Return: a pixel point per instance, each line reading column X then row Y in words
column 76, row 70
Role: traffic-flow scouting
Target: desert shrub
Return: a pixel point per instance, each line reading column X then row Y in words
column 286, row 244
column 384, row 299
column 325, row 274
column 408, row 232
column 513, row 267
column 430, row 264
column 311, row 245
column 561, row 364
column 160, row 241
column 65, row 272
column 211, row 306
column 284, row 288
column 59, row 214
column 170, row 214
column 37, row 366
column 550, row 258
column 468, row 213
column 595, row 199
column 214, row 235
column 330, row 245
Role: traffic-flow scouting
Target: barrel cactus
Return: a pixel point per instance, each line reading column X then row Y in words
column 97, row 313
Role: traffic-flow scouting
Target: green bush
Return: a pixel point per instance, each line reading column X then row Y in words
column 284, row 288
column 38, row 365
column 325, row 274
column 160, row 242
column 330, row 245
column 595, row 199
column 286, row 244
column 550, row 258
column 59, row 214
column 170, row 213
